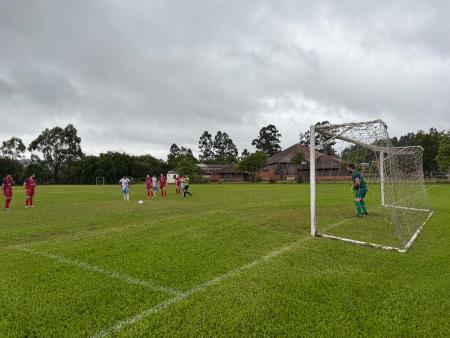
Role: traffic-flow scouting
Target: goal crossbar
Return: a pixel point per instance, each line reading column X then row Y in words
column 404, row 150
column 351, row 124
column 343, row 138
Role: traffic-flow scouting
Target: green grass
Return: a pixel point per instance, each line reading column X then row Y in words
column 387, row 226
column 83, row 249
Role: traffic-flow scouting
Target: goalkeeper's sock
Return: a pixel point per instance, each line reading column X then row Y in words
column 359, row 209
column 363, row 205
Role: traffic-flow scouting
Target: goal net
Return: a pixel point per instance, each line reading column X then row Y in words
column 392, row 206
column 100, row 180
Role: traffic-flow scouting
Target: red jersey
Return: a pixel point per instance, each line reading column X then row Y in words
column 162, row 182
column 178, row 181
column 148, row 183
column 7, row 186
column 30, row 185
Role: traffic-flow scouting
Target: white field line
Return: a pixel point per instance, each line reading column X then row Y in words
column 405, row 208
column 109, row 273
column 354, row 241
column 217, row 280
column 336, row 224
column 380, row 246
column 414, row 236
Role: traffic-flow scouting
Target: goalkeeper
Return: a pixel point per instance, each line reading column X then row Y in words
column 359, row 187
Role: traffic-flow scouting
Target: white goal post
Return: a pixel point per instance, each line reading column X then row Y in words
column 100, row 180
column 397, row 198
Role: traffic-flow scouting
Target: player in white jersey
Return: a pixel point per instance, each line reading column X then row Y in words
column 125, row 184
column 155, row 186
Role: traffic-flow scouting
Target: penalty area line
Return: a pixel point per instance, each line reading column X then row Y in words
column 109, row 273
column 215, row 281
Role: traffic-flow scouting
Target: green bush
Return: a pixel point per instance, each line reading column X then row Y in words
column 13, row 167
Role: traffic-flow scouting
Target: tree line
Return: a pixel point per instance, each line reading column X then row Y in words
column 57, row 156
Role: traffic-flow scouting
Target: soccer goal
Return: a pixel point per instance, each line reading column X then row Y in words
column 396, row 198
column 100, row 180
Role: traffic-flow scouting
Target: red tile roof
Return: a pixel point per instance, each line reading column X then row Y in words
column 323, row 161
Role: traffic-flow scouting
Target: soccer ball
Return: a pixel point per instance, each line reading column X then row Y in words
column 140, row 202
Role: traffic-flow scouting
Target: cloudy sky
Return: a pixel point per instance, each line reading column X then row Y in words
column 137, row 76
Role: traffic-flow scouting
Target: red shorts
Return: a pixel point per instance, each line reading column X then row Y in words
column 29, row 193
column 149, row 187
column 161, row 187
column 8, row 193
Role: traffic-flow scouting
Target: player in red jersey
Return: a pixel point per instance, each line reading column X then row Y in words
column 30, row 186
column 148, row 185
column 178, row 184
column 7, row 185
column 162, row 185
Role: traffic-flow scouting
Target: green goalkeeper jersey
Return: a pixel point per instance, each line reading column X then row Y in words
column 362, row 182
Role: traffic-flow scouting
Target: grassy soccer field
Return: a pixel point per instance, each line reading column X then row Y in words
column 234, row 260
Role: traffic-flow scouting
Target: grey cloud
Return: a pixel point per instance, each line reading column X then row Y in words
column 143, row 74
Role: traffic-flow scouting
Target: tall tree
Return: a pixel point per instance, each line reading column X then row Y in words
column 112, row 166
column 319, row 139
column 10, row 166
column 245, row 153
column 443, row 156
column 40, row 170
column 298, row 158
column 429, row 141
column 187, row 165
column 253, row 162
column 224, row 148
column 13, row 148
column 58, row 147
column 268, row 140
column 178, row 155
column 174, row 152
column 206, row 147
column 186, row 152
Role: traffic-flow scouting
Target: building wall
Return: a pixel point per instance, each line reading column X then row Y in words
column 283, row 169
column 294, row 172
column 234, row 177
column 229, row 177
column 171, row 178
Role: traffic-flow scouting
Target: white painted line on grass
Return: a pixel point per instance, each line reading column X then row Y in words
column 331, row 226
column 112, row 274
column 414, row 236
column 354, row 241
column 217, row 280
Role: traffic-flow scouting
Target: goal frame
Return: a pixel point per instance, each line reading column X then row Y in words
column 384, row 154
column 100, row 180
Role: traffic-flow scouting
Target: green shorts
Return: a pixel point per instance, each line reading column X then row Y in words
column 360, row 193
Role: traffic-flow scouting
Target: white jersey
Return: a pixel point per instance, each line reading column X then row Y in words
column 154, row 182
column 125, row 182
